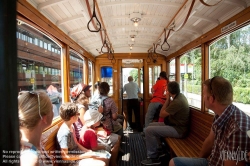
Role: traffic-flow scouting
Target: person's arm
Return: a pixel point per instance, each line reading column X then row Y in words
column 163, row 112
column 139, row 90
column 79, row 145
column 114, row 110
column 82, row 112
column 207, row 145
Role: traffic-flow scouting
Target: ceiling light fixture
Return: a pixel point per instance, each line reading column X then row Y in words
column 130, row 47
column 135, row 17
column 132, row 35
column 130, row 44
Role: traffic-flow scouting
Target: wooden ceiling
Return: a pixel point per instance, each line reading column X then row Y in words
column 72, row 17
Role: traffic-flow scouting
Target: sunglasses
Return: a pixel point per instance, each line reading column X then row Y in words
column 211, row 87
column 38, row 98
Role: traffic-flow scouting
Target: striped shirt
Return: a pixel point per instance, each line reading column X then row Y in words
column 231, row 141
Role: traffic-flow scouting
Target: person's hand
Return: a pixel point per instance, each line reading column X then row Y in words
column 108, row 148
column 248, row 155
column 167, row 95
column 100, row 109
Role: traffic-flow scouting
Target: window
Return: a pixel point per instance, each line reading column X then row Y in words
column 154, row 72
column 34, row 66
column 172, row 70
column 107, row 76
column 90, row 73
column 76, row 68
column 229, row 58
column 190, row 73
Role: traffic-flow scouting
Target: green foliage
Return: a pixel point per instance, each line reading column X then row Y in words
column 134, row 74
column 196, row 89
column 242, row 95
column 229, row 57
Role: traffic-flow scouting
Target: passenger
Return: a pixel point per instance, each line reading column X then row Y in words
column 89, row 137
column 71, row 151
column 80, row 95
column 175, row 112
column 110, row 111
column 228, row 134
column 96, row 92
column 159, row 97
column 132, row 90
column 35, row 114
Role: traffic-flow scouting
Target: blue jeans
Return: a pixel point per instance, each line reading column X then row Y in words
column 184, row 161
column 152, row 107
column 154, row 132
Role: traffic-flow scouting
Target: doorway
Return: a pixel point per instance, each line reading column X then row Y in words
column 132, row 68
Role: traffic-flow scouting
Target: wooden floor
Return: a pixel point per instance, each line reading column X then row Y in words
column 135, row 150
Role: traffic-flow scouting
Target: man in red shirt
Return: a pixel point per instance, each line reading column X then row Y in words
column 159, row 97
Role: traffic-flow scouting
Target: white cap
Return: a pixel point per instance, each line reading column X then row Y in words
column 91, row 117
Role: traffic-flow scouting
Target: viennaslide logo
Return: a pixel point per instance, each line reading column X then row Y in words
column 238, row 155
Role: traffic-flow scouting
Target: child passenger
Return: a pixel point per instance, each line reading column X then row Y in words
column 88, row 135
column 71, row 151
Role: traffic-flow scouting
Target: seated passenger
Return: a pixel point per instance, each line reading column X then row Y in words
column 35, row 114
column 159, row 97
column 71, row 151
column 80, row 95
column 228, row 134
column 110, row 111
column 175, row 112
column 88, row 136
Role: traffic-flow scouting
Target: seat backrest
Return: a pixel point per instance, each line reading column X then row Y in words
column 200, row 124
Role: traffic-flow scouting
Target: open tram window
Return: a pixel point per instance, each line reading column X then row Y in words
column 38, row 68
column 107, row 76
column 229, row 58
column 190, row 73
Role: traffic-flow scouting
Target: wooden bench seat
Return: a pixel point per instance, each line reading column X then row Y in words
column 49, row 138
column 200, row 124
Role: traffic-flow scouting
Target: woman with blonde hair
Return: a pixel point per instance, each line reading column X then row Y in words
column 35, row 114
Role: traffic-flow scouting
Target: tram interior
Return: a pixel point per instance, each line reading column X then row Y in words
column 188, row 39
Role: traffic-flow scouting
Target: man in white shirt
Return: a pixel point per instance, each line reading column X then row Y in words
column 132, row 91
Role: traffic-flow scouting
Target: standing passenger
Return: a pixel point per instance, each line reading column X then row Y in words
column 35, row 114
column 159, row 97
column 132, row 90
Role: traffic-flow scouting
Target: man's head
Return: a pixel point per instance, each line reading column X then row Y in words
column 130, row 78
column 173, row 87
column 218, row 89
column 104, row 88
